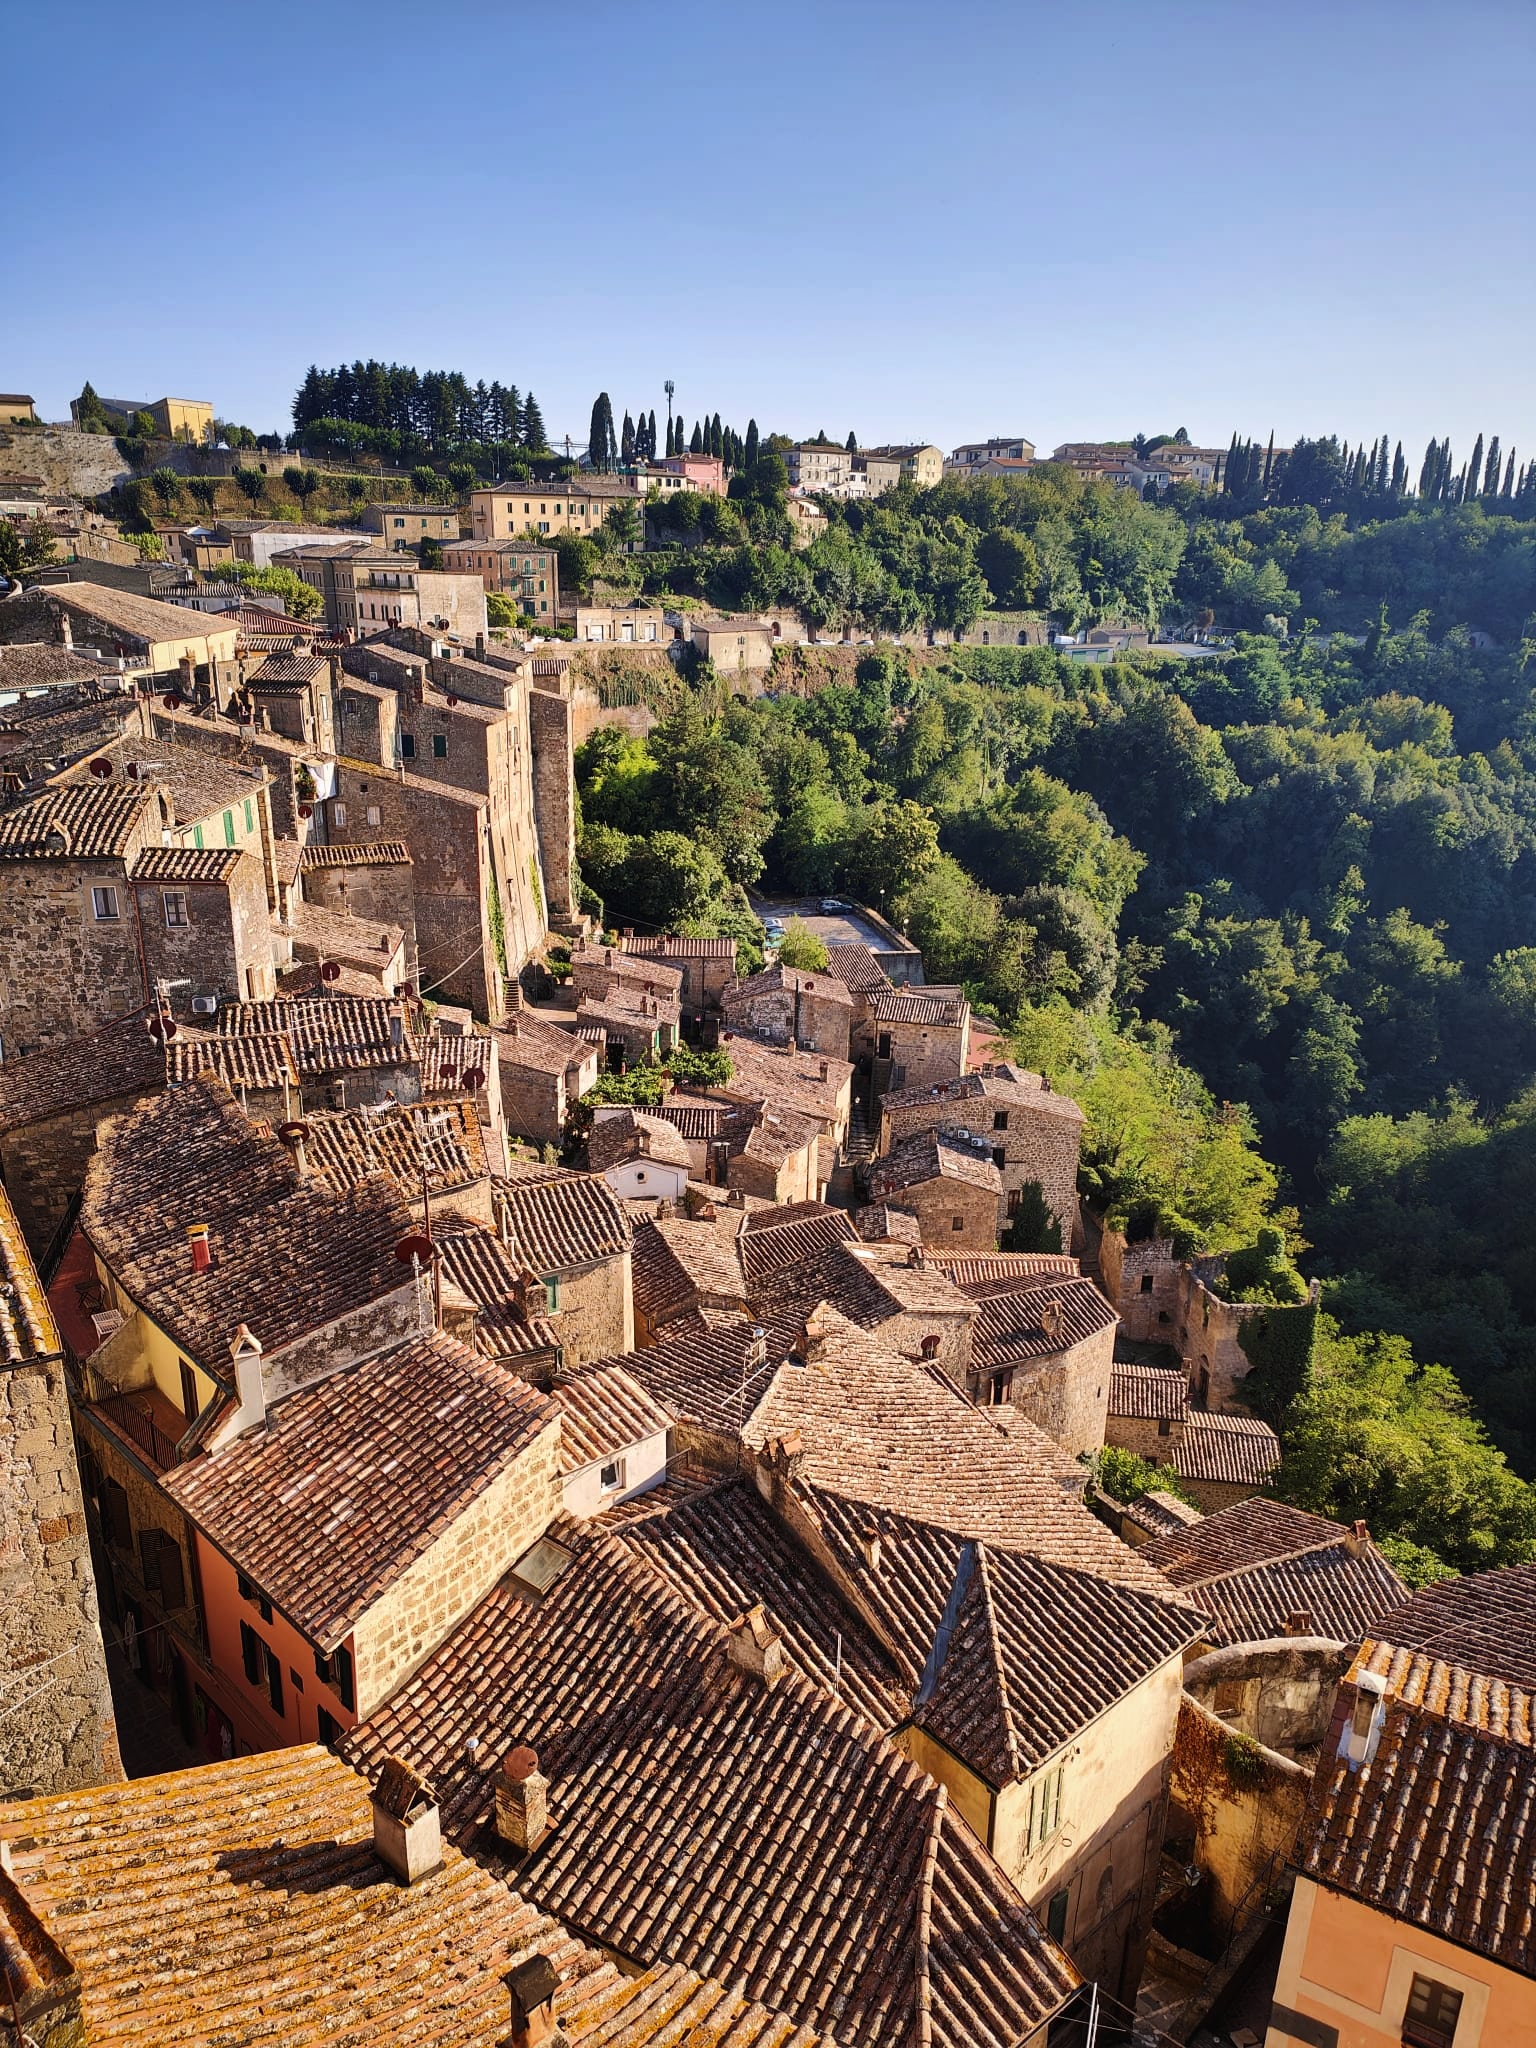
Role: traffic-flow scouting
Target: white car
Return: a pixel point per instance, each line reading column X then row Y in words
column 831, row 905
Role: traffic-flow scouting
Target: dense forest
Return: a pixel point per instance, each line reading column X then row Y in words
column 1268, row 910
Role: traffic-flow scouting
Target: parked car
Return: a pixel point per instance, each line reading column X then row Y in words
column 831, row 905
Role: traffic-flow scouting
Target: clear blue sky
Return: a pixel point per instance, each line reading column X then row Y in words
column 917, row 221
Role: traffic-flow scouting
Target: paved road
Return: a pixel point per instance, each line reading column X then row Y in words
column 847, row 928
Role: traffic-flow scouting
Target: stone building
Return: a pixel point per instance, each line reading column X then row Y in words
column 1034, row 1133
column 368, row 588
column 571, row 1232
column 642, row 1158
column 1222, row 1459
column 191, row 650
column 1046, row 1350
column 529, row 575
column 707, row 968
column 784, row 1006
column 373, row 881
column 1148, row 1408
column 812, row 1084
column 57, row 1729
column 914, row 1037
column 402, row 528
column 946, row 1179
column 544, row 1070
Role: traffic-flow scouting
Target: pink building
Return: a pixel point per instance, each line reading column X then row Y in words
column 699, row 472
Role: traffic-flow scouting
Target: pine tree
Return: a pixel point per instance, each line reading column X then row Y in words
column 749, row 452
column 1474, row 470
column 696, row 444
column 533, row 425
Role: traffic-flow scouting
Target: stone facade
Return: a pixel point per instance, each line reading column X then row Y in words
column 955, row 1214
column 780, row 1005
column 1067, row 1396
column 382, row 892
column 43, row 1164
column 215, row 936
column 554, row 797
column 539, row 1080
column 408, row 1621
column 58, row 1732
column 1035, row 1137
column 592, row 1307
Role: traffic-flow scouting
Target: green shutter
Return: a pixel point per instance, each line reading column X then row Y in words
column 229, row 828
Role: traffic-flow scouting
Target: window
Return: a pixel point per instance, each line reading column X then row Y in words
column 930, row 1346
column 249, row 1594
column 957, row 1223
column 229, row 828
column 407, row 746
column 1044, row 1809
column 1164, row 1426
column 552, row 1292
column 104, row 906
column 1433, row 2010
column 338, row 811
column 1015, row 1197
column 1146, row 1283
column 175, row 902
column 999, row 1156
column 250, row 1653
column 1056, row 1916
column 275, row 1683
column 327, row 1728
column 250, row 821
column 999, row 1119
column 372, row 814
column 439, row 746
column 611, row 1476
column 115, row 1517
column 191, row 1407
column 399, row 522
column 197, row 835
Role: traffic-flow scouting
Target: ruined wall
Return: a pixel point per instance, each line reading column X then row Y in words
column 552, row 736
column 1240, row 1802
column 408, row 1622
column 1143, row 1284
column 51, row 1652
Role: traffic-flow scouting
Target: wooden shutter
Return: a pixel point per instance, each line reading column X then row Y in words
column 115, row 1516
column 173, row 1577
column 149, row 1558
column 250, row 1652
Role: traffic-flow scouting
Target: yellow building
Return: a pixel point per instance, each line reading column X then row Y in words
column 921, row 463
column 183, row 419
column 14, row 407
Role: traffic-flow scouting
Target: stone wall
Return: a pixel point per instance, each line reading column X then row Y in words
column 383, row 894
column 43, row 1165
column 58, row 1731
column 1037, row 1145
column 551, row 735
column 595, row 1317
column 942, row 1204
column 62, row 969
column 408, row 1622
column 225, row 948
column 1238, row 1803
column 1143, row 1282
column 815, row 1021
column 1068, row 1396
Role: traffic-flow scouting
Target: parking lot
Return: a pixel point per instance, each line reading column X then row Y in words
column 843, row 928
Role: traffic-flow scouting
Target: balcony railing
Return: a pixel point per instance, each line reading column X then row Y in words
column 141, row 1429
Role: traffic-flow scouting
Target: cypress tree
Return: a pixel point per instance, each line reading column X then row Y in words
column 1474, row 469
column 1491, row 469
column 627, row 440
column 749, row 453
column 1427, row 470
column 852, row 442
column 650, row 435
column 716, row 438
column 597, row 434
column 533, row 424
column 1509, row 475
column 696, row 444
column 1269, row 463
column 1399, row 473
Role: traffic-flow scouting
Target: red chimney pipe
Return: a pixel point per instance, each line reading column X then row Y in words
column 202, row 1253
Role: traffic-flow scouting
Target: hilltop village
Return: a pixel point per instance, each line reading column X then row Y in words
column 559, row 1474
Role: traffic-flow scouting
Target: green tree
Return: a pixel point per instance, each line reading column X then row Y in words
column 802, row 949
column 500, row 612
column 251, row 484
column 300, row 599
column 534, row 438
column 204, row 491
column 303, row 483
column 165, row 482
column 90, row 414
column 10, row 549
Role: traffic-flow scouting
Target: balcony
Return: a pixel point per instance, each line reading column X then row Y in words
column 144, row 1419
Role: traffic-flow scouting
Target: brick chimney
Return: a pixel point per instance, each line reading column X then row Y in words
column 532, row 1985
column 522, row 1816
column 1050, row 1320
column 202, row 1251
column 823, row 1070
column 1358, row 1541
column 755, row 1647
column 406, row 1830
column 869, row 1543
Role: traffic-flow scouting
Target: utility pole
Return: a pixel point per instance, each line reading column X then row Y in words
column 669, row 387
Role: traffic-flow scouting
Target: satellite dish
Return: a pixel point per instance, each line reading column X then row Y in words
column 132, row 771
column 473, row 1078
column 101, row 767
column 414, row 1250
column 172, row 700
column 306, row 810
column 293, row 1134
column 407, row 989
column 330, row 970
column 448, row 1075
column 161, row 1027
column 451, row 698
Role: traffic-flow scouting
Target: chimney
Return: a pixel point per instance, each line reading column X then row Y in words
column 406, row 1831
column 533, row 1985
column 202, row 1254
column 479, row 647
column 249, row 1385
column 755, row 1647
column 607, row 956
column 1301, row 1622
column 396, row 1024
column 1358, row 1541
column 1050, row 1320
column 915, row 1256
column 66, row 631
column 823, row 1070
column 1362, row 1731
column 522, row 1817
column 869, row 1543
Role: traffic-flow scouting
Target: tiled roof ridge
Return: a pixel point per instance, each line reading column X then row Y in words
column 988, row 1602
column 1464, row 1689
column 924, row 1985
column 1259, row 1564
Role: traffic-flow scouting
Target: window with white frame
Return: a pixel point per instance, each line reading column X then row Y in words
column 104, row 904
column 611, row 1476
column 1044, row 1808
column 175, row 902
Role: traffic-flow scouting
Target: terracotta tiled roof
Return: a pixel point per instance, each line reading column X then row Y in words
column 200, row 778
column 857, row 969
column 453, row 1062
column 772, row 1245
column 1000, row 1083
column 877, row 1223
column 1237, row 1450
column 622, row 1134
column 924, row 1005
column 1148, row 1393
column 772, row 1136
column 1486, row 1622
column 1160, row 1513
column 724, row 1550
column 78, row 820
column 288, row 1256
column 258, row 1060
column 534, row 1042
column 1436, row 1827
column 693, row 1119
column 244, row 1901
column 624, row 1009
column 356, row 1477
column 380, row 853
column 27, row 665
column 934, row 1155
column 556, row 1219
column 670, row 948
column 677, row 1782
column 118, row 1059
column 187, row 864
column 133, row 617
column 791, row 981
column 705, row 1368
column 1038, row 1322
column 338, row 935
column 982, row 1273
column 287, row 854
column 642, row 972
column 1252, row 1533
column 477, row 1263
column 287, row 672
column 677, row 1263
column 1034, row 1652
column 348, row 1146
column 1322, row 1592
column 767, row 1073
column 330, row 1034
column 868, row 1283
column 605, row 1409
column 27, row 1329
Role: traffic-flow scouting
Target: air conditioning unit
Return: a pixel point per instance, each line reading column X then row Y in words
column 205, row 1006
